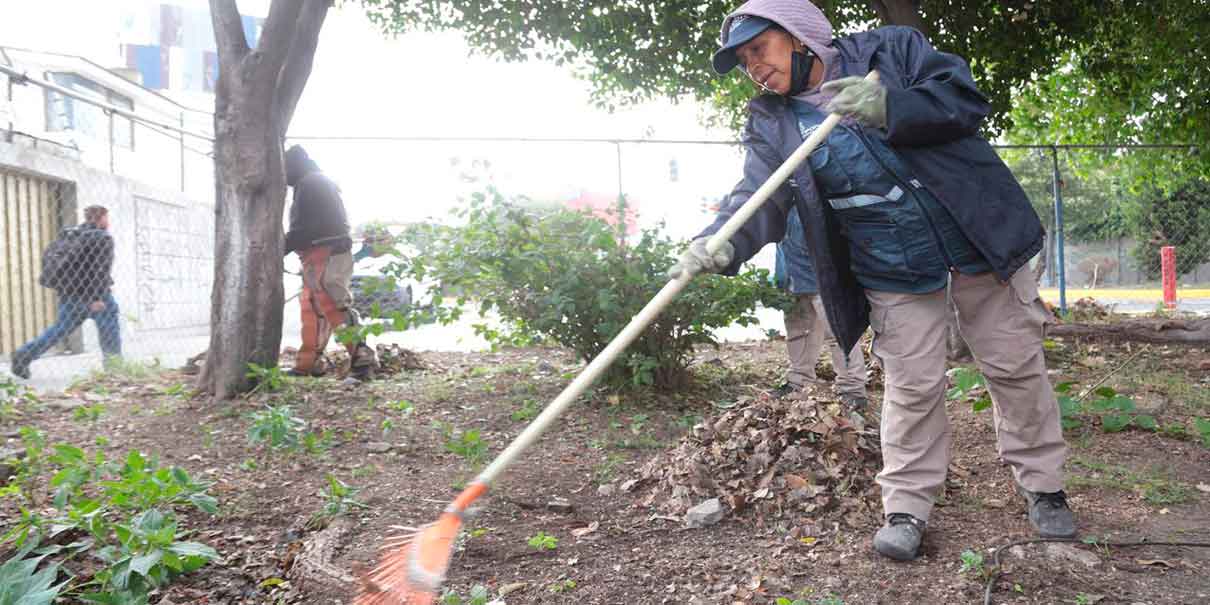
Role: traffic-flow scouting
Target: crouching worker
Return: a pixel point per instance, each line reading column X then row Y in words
column 319, row 234
column 903, row 195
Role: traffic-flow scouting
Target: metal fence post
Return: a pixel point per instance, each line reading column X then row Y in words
column 111, row 152
column 181, row 138
column 1059, row 261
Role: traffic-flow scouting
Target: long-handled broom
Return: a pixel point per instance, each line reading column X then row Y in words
column 413, row 569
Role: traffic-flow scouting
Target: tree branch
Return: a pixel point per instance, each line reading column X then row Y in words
column 900, row 12
column 294, row 74
column 228, row 32
column 274, row 43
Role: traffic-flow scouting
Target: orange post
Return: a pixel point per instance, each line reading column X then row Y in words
column 1168, row 268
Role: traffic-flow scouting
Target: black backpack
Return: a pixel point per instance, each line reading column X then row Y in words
column 59, row 258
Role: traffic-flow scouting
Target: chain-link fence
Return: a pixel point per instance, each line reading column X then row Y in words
column 1114, row 226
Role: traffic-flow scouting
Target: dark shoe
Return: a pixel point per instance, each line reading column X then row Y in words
column 19, row 366
column 786, row 389
column 1049, row 514
column 900, row 538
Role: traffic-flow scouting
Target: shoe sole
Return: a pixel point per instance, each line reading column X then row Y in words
column 897, row 554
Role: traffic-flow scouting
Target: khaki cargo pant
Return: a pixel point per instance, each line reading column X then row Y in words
column 1003, row 323
column 807, row 332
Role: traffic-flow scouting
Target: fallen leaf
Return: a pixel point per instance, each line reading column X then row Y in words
column 1203, row 487
column 1159, row 562
column 584, row 531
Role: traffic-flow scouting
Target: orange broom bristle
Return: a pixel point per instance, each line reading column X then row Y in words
column 412, row 572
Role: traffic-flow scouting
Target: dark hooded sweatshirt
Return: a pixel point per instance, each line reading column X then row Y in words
column 317, row 216
column 933, row 114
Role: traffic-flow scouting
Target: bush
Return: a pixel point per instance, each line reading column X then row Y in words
column 1180, row 219
column 568, row 277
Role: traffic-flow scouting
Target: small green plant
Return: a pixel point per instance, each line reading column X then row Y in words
column 542, row 541
column 1069, row 407
column 277, row 426
column 468, row 444
column 316, row 444
column 969, row 382
column 528, row 411
column 562, row 586
column 179, row 390
column 88, row 413
column 387, row 426
column 477, row 596
column 267, row 379
column 1202, row 426
column 340, row 498
column 402, row 406
column 1118, row 412
column 14, row 398
column 29, row 468
column 972, row 562
column 1083, row 599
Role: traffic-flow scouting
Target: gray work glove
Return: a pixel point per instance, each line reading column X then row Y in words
column 696, row 260
column 859, row 99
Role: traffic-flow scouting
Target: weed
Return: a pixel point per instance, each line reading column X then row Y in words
column 23, row 584
column 387, row 426
column 130, row 369
column 339, row 498
column 1083, row 599
column 542, row 541
column 972, row 562
column 14, row 397
column 316, row 444
column 1202, row 426
column 562, row 586
column 29, row 468
column 477, row 596
column 402, row 406
column 606, row 469
column 88, row 413
column 277, row 426
column 248, row 465
column 1155, row 488
column 969, row 382
column 528, row 411
column 179, row 390
column 468, row 444
column 268, row 379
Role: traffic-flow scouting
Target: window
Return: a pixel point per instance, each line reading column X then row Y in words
column 64, row 113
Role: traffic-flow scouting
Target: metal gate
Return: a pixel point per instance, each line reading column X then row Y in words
column 30, row 217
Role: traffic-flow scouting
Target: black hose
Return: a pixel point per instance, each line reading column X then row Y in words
column 995, row 573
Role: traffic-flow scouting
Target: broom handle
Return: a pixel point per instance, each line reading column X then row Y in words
column 665, row 296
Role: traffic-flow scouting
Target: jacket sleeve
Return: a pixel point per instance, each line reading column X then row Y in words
column 296, row 235
column 768, row 224
column 939, row 101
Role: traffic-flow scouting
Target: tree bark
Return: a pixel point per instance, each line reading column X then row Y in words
column 900, row 12
column 1157, row 331
column 250, row 188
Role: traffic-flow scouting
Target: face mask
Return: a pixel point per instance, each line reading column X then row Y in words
column 800, row 70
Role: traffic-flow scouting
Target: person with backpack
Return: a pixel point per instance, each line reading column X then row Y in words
column 319, row 234
column 903, row 197
column 77, row 265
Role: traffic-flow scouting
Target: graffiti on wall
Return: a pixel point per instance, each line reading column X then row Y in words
column 174, row 264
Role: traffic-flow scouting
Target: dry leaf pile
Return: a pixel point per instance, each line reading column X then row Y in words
column 773, row 458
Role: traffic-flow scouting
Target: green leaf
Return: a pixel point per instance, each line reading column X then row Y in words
column 142, row 564
column 1145, row 421
column 204, row 502
column 193, row 549
column 1112, row 423
column 1105, row 392
column 981, row 404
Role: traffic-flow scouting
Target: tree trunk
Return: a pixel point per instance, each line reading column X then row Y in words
column 1158, row 331
column 900, row 12
column 256, row 94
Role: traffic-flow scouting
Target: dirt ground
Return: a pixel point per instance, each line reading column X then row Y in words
column 609, row 548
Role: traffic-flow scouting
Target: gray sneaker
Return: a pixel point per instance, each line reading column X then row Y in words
column 900, row 538
column 1049, row 514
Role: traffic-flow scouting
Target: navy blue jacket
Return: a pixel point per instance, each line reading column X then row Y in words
column 792, row 269
column 933, row 114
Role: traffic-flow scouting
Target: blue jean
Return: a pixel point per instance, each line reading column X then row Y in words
column 73, row 310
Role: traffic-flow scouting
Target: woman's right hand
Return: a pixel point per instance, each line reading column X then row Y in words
column 696, row 259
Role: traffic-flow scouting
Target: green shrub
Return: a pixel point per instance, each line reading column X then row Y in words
column 567, row 277
column 1180, row 218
